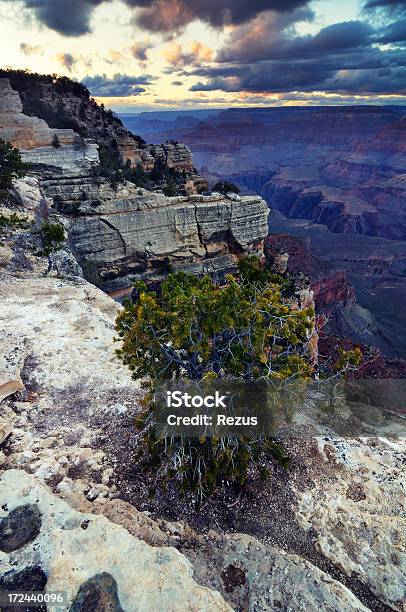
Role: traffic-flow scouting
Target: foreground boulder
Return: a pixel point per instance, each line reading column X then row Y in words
column 95, row 561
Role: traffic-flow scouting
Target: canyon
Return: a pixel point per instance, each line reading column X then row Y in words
column 340, row 166
column 76, row 513
column 334, row 176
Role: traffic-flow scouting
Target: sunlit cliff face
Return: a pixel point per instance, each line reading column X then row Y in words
column 140, row 54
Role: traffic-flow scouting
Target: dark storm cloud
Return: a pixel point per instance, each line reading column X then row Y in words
column 118, row 86
column 389, row 10
column 268, row 55
column 69, row 17
column 260, row 40
column 365, row 71
column 394, row 33
column 171, row 15
column 72, row 17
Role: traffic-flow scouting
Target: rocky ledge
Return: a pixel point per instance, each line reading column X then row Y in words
column 327, row 534
column 131, row 234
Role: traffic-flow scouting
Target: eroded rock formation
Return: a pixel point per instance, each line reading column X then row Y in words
column 62, row 103
column 340, row 166
column 120, row 232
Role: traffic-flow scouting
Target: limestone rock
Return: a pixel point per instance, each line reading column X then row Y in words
column 193, row 234
column 73, row 549
column 268, row 579
column 34, row 137
column 62, row 263
column 355, row 508
column 5, row 430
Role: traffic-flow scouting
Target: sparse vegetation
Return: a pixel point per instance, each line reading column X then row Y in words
column 137, row 175
column 197, row 329
column 11, row 165
column 111, row 163
column 13, row 221
column 225, row 187
column 52, row 236
column 170, row 189
column 55, row 141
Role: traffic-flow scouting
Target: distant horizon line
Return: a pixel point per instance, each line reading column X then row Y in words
column 261, row 108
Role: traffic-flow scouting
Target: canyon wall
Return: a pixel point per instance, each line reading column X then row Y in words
column 63, row 103
column 120, row 232
column 341, row 166
column 331, row 288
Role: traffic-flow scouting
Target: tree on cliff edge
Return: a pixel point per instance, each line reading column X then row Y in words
column 11, row 165
column 196, row 329
column 225, row 187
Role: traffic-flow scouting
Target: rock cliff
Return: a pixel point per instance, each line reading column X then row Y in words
column 118, row 231
column 63, row 103
column 330, row 287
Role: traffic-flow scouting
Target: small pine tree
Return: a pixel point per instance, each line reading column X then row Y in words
column 11, row 165
column 197, row 329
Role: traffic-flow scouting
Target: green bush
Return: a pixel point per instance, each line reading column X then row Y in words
column 225, row 187
column 137, row 175
column 11, row 165
column 13, row 221
column 170, row 189
column 197, row 329
column 111, row 163
column 52, row 236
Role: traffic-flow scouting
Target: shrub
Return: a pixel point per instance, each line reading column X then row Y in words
column 225, row 187
column 52, row 236
column 137, row 175
column 13, row 221
column 55, row 141
column 197, row 329
column 11, row 165
column 170, row 189
column 111, row 163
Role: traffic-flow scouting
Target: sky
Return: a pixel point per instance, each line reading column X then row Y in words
column 137, row 55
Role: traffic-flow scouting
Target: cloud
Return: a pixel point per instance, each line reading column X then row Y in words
column 67, row 60
column 177, row 83
column 269, row 37
column 385, row 4
column 394, row 33
column 73, row 17
column 363, row 72
column 268, row 55
column 172, row 15
column 28, row 49
column 140, row 50
column 69, row 17
column 120, row 85
column 196, row 54
column 114, row 57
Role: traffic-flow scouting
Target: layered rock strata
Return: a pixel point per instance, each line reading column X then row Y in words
column 142, row 235
column 34, row 102
column 34, row 137
column 122, row 232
